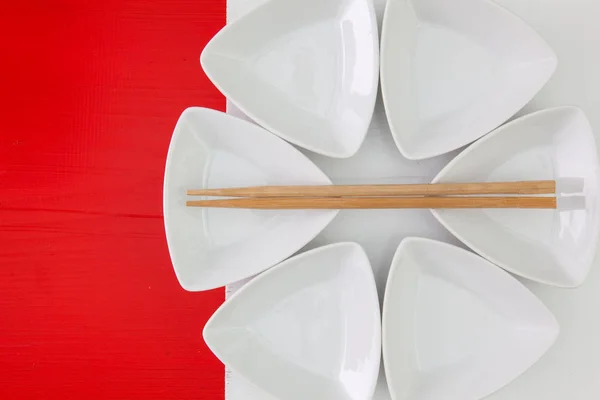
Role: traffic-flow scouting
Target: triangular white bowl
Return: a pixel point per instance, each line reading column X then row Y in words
column 309, row 328
column 452, row 71
column 555, row 247
column 455, row 326
column 307, row 70
column 214, row 247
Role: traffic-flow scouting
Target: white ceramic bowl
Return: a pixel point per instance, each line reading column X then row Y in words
column 214, row 247
column 452, row 71
column 456, row 327
column 308, row 328
column 307, row 70
column 556, row 247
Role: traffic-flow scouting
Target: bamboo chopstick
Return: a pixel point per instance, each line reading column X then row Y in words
column 287, row 203
column 447, row 189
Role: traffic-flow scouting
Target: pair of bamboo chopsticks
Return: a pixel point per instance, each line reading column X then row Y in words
column 435, row 195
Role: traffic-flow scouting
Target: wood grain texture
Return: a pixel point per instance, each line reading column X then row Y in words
column 432, row 189
column 346, row 203
column 89, row 304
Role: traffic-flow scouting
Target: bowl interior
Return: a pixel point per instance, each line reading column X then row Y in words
column 455, row 326
column 307, row 329
column 307, row 71
column 550, row 246
column 453, row 71
column 213, row 247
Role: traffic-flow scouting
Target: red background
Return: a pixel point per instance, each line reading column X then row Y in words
column 89, row 304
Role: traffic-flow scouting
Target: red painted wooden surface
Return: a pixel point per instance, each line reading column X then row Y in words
column 89, row 304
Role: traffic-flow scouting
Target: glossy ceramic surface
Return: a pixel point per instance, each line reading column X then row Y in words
column 308, row 328
column 555, row 247
column 570, row 368
column 213, row 247
column 307, row 70
column 451, row 71
column 455, row 326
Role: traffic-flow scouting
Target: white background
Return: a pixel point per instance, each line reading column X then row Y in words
column 571, row 369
